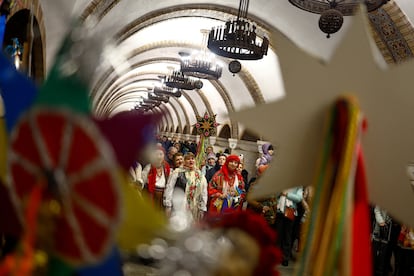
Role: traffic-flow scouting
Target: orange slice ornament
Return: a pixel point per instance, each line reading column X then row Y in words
column 70, row 154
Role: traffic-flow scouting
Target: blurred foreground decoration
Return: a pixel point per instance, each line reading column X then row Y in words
column 338, row 234
column 67, row 152
column 141, row 221
column 73, row 160
column 231, row 244
column 297, row 132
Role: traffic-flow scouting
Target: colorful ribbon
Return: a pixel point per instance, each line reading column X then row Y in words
column 331, row 229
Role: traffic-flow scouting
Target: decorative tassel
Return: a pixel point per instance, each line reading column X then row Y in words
column 329, row 247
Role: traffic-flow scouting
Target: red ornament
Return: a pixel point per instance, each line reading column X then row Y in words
column 68, row 152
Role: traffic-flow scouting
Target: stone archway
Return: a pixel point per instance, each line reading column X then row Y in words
column 225, row 132
column 21, row 25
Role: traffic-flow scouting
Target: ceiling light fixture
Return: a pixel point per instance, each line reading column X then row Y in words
column 201, row 64
column 152, row 102
column 162, row 98
column 333, row 11
column 166, row 91
column 237, row 39
column 178, row 80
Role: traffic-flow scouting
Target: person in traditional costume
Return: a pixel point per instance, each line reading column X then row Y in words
column 178, row 160
column 170, row 155
column 191, row 183
column 286, row 213
column 226, row 188
column 267, row 156
column 155, row 176
column 221, row 159
column 211, row 163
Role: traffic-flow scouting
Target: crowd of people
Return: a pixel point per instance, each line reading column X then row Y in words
column 221, row 184
column 178, row 186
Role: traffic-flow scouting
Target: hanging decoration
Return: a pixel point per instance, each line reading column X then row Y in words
column 238, row 39
column 177, row 79
column 201, row 64
column 206, row 126
column 333, row 11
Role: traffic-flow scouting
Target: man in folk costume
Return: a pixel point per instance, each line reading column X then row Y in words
column 286, row 213
column 221, row 160
column 155, row 176
column 226, row 188
column 190, row 182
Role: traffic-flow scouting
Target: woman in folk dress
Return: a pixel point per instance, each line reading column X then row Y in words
column 226, row 188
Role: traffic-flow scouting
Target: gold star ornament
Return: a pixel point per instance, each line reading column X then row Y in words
column 386, row 97
column 206, row 125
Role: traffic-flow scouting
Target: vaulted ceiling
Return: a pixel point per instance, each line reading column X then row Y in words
column 143, row 39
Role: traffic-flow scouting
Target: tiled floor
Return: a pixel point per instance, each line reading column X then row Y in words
column 287, row 270
column 131, row 269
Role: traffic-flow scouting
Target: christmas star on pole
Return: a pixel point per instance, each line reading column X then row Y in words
column 386, row 96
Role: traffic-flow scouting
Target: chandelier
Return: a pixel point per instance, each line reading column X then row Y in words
column 237, row 39
column 146, row 104
column 152, row 102
column 161, row 98
column 201, row 64
column 333, row 11
column 166, row 91
column 178, row 80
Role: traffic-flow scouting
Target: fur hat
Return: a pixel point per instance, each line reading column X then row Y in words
column 211, row 156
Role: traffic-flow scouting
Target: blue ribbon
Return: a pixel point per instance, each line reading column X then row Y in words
column 3, row 20
column 18, row 92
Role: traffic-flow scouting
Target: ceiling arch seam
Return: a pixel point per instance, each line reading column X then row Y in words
column 180, row 125
column 183, row 109
column 246, row 77
column 229, row 105
column 247, row 80
column 217, row 12
column 167, row 113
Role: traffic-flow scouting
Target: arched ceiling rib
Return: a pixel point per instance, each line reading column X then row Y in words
column 163, row 120
column 172, row 115
column 247, row 89
column 206, row 102
column 191, row 102
column 166, row 115
column 217, row 12
column 246, row 78
column 184, row 112
column 110, row 84
column 178, row 114
column 258, row 82
column 229, row 104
